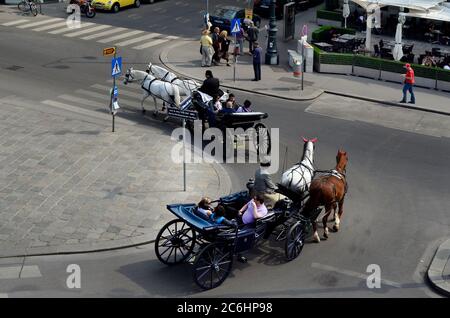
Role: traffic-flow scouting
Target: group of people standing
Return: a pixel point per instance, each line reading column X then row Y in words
column 215, row 47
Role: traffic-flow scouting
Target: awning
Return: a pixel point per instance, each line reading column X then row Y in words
column 440, row 13
column 420, row 5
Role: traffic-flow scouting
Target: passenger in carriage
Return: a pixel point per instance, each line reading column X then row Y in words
column 253, row 210
column 228, row 108
column 245, row 108
column 204, row 207
column 218, row 217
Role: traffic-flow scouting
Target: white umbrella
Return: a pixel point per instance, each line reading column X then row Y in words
column 345, row 12
column 373, row 12
column 397, row 51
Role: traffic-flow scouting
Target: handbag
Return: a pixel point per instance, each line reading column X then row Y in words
column 201, row 49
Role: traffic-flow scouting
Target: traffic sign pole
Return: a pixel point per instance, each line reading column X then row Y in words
column 235, row 57
column 184, row 155
column 113, row 113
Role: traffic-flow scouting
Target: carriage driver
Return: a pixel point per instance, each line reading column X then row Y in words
column 264, row 184
column 210, row 85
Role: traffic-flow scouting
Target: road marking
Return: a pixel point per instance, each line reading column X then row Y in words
column 139, row 39
column 14, row 272
column 97, row 28
column 67, row 29
column 353, row 274
column 150, row 44
column 30, row 25
column 84, row 101
column 98, row 35
column 106, row 97
column 15, row 22
column 121, row 36
column 53, row 26
column 121, row 92
column 84, row 111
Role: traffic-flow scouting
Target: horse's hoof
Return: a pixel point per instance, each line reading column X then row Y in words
column 143, row 111
column 325, row 233
column 336, row 228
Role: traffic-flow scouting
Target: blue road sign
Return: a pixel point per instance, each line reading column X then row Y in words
column 116, row 66
column 235, row 26
column 115, row 92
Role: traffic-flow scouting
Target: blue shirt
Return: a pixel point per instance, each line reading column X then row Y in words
column 257, row 55
column 218, row 220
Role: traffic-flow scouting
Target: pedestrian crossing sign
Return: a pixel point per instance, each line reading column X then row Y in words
column 116, row 66
column 235, row 26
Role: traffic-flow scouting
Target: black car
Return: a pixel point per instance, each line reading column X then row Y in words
column 223, row 16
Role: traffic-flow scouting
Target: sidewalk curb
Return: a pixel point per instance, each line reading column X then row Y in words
column 368, row 99
column 436, row 270
column 164, row 60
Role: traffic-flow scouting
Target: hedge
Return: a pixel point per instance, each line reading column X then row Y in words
column 329, row 15
column 378, row 64
column 321, row 34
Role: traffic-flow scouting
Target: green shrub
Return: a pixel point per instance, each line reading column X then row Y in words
column 329, row 15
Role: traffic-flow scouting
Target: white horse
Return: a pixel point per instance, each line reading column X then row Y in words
column 187, row 86
column 299, row 177
column 168, row 92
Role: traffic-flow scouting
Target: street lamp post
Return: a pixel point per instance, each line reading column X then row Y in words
column 272, row 57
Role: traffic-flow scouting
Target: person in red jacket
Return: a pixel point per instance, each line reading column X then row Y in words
column 408, row 84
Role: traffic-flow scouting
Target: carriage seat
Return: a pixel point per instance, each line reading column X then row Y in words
column 294, row 196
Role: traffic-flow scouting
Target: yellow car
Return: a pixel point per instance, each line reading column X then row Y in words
column 114, row 5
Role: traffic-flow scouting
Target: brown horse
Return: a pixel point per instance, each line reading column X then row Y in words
column 328, row 190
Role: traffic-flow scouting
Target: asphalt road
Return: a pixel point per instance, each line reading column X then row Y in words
column 395, row 211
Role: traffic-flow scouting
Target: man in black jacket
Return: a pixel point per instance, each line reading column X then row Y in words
column 210, row 85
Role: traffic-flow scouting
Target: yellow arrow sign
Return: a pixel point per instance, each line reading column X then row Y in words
column 109, row 51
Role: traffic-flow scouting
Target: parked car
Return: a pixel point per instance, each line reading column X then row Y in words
column 115, row 5
column 223, row 16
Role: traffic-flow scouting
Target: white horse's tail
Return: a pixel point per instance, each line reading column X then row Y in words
column 176, row 93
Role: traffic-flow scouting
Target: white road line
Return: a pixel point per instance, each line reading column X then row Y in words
column 353, row 274
column 15, row 22
column 97, row 28
column 14, row 272
column 30, row 272
column 106, row 98
column 121, row 91
column 121, row 36
column 84, row 101
column 67, row 29
column 98, row 35
column 150, row 44
column 138, row 39
column 85, row 112
column 48, row 27
column 30, row 25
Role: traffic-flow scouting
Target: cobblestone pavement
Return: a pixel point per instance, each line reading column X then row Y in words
column 68, row 184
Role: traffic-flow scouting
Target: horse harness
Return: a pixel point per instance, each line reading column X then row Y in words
column 149, row 90
column 311, row 170
column 339, row 175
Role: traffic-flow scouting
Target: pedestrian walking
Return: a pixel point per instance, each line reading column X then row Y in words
column 224, row 44
column 257, row 52
column 408, row 84
column 252, row 36
column 216, row 45
column 206, row 48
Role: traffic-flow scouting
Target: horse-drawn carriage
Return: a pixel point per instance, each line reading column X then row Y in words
column 161, row 84
column 211, row 247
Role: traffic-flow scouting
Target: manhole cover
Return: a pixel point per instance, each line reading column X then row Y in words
column 13, row 67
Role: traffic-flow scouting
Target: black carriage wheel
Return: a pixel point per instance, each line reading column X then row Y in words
column 295, row 241
column 263, row 143
column 175, row 242
column 212, row 266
